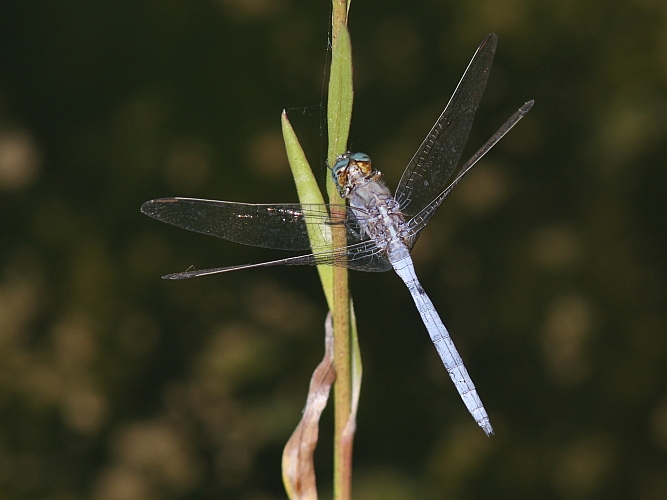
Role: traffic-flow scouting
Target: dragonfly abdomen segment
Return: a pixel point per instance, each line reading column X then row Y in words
column 443, row 344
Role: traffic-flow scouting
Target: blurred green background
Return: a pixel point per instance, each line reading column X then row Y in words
column 547, row 263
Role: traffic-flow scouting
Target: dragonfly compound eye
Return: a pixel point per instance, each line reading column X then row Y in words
column 339, row 170
column 362, row 157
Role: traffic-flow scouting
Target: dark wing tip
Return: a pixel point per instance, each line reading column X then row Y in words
column 523, row 110
column 492, row 39
column 176, row 276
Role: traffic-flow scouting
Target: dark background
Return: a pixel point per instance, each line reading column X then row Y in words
column 547, row 263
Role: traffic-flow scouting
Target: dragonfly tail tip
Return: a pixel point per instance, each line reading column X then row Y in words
column 486, row 427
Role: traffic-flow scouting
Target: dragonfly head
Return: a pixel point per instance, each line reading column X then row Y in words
column 346, row 165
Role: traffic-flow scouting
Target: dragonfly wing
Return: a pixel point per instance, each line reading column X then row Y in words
column 304, row 260
column 418, row 222
column 364, row 256
column 278, row 226
column 436, row 159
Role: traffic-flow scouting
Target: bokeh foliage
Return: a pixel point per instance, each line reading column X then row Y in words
column 547, row 263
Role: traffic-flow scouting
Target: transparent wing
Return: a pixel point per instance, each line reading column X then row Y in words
column 436, row 159
column 364, row 256
column 278, row 226
column 419, row 221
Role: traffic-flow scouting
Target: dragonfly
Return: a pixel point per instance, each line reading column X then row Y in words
column 381, row 229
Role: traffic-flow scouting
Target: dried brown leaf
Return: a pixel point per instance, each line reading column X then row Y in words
column 298, row 465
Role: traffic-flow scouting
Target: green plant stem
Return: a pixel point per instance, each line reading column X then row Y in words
column 338, row 17
column 338, row 114
column 342, row 386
